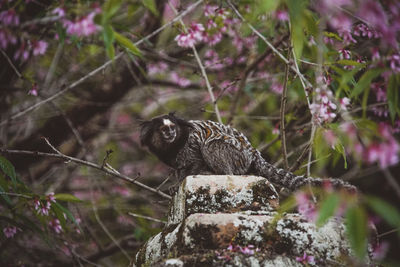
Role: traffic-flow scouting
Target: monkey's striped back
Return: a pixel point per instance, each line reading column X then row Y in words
column 209, row 131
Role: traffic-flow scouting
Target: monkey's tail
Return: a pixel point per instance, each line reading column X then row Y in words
column 293, row 182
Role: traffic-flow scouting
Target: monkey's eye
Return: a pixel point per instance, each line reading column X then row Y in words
column 167, row 128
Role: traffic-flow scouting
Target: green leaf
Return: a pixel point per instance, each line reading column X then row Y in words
column 365, row 81
column 108, row 37
column 8, row 169
column 393, row 96
column 151, row 5
column 389, row 213
column 348, row 62
column 125, row 42
column 327, row 209
column 298, row 23
column 67, row 198
column 59, row 214
column 6, row 198
column 68, row 213
column 356, row 228
column 110, row 7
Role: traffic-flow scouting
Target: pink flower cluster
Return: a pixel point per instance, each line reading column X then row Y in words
column 182, row 82
column 193, row 36
column 323, row 109
column 306, row 206
column 157, row 68
column 9, row 18
column 44, row 208
column 385, row 151
column 82, row 26
column 10, row 231
column 55, row 225
column 217, row 24
column 247, row 250
column 306, row 259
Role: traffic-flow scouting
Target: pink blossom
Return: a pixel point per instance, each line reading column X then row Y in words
column 363, row 30
column 9, row 18
column 6, row 38
column 346, row 36
column 305, row 206
column 344, row 103
column 223, row 13
column 375, row 54
column 56, row 226
column 395, row 62
column 22, row 52
column 386, row 152
column 372, row 12
column 344, row 54
column 380, row 92
column 247, row 250
column 179, row 80
column 121, row 190
column 277, row 87
column 282, row 15
column 340, row 22
column 10, row 231
column 276, row 130
column 36, row 203
column 83, row 26
column 50, row 197
column 330, row 138
column 39, row 47
column 60, row 12
column 34, row 90
column 306, row 259
column 209, row 10
column 380, row 250
column 195, row 34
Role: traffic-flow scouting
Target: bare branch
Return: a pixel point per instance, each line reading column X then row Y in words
column 86, row 163
column 146, row 217
column 282, row 117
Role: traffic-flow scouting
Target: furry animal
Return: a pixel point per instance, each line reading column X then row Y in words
column 206, row 147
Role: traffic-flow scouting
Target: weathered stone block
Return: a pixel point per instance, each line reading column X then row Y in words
column 222, row 193
column 291, row 235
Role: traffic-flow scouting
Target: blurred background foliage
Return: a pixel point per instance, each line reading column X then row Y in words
column 85, row 74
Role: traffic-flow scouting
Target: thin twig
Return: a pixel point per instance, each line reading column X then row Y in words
column 15, row 195
column 146, row 217
column 279, row 54
column 392, row 181
column 303, row 154
column 11, row 64
column 388, row 232
column 282, row 117
column 202, row 69
column 64, row 88
column 86, row 163
column 249, row 69
column 105, row 229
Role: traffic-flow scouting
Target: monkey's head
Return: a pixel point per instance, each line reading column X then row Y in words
column 162, row 132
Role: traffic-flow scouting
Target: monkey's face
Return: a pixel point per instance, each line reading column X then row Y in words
column 168, row 130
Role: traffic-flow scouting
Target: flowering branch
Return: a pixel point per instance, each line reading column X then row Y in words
column 202, row 69
column 64, row 88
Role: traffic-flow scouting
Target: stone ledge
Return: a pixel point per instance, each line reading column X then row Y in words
column 290, row 236
column 222, row 193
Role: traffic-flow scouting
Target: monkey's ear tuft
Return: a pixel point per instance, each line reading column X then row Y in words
column 145, row 132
